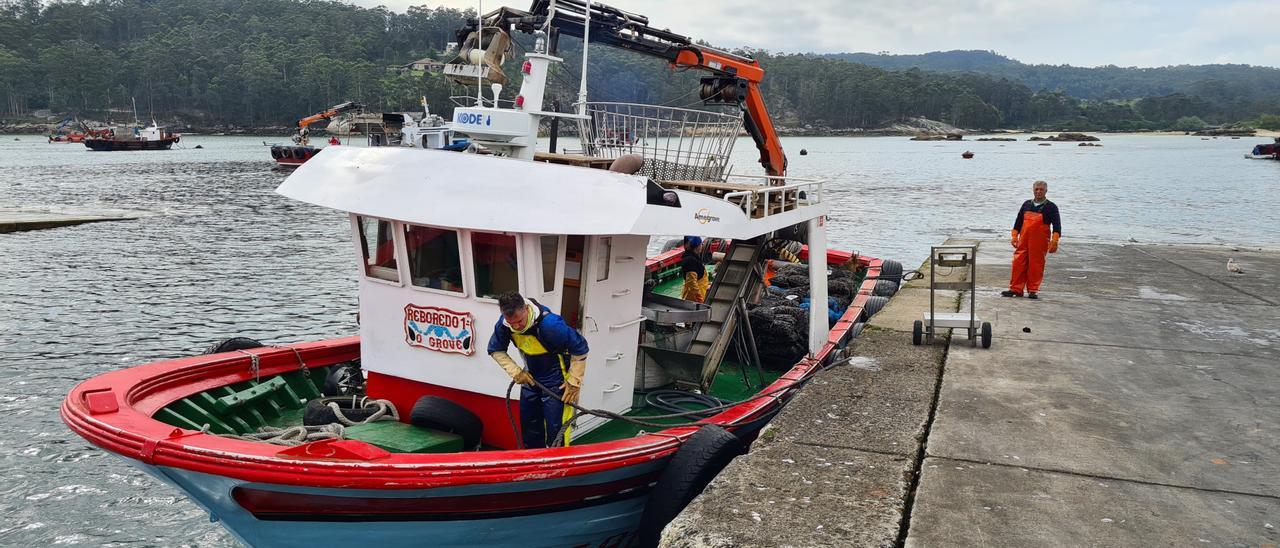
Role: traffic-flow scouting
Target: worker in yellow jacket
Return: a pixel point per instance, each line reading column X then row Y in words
column 694, row 273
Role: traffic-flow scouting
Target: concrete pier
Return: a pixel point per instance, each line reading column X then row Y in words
column 19, row 221
column 1137, row 402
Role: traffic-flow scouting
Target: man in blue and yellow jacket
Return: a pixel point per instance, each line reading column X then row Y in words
column 556, row 355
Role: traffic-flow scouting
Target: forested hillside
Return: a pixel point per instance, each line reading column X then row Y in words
column 255, row 63
column 1229, row 92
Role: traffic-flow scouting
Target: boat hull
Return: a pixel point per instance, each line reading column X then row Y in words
column 260, row 514
column 108, row 145
column 292, row 156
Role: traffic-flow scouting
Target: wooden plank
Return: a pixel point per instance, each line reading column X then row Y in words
column 573, row 160
column 709, row 186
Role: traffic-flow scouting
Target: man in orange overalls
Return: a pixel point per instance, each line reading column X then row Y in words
column 1031, row 238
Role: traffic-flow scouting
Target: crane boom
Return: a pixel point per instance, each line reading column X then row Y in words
column 734, row 80
column 330, row 113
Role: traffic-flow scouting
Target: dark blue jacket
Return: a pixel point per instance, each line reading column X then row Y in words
column 560, row 340
column 1048, row 209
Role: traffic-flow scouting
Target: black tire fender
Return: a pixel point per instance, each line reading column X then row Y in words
column 438, row 413
column 695, row 464
column 318, row 411
column 885, row 288
column 232, row 344
column 344, row 380
column 873, row 305
column 856, row 329
column 890, row 270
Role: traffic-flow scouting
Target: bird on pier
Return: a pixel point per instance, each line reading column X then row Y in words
column 1234, row 267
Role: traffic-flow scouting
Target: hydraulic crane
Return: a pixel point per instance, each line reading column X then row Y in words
column 301, row 136
column 734, row 79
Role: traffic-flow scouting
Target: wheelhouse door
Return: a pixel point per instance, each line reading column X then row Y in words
column 612, row 282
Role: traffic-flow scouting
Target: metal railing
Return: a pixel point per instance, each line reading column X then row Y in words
column 763, row 201
column 676, row 143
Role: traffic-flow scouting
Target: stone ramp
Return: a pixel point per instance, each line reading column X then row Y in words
column 1136, row 403
column 19, row 221
column 836, row 467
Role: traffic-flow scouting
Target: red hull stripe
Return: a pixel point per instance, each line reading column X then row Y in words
column 284, row 506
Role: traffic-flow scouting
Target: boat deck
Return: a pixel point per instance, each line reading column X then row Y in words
column 732, row 384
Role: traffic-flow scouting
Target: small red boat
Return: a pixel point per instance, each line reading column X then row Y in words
column 295, row 155
column 966, row 155
column 1266, row 151
column 292, row 155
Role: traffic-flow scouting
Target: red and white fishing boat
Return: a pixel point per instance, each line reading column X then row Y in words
column 152, row 137
column 437, row 235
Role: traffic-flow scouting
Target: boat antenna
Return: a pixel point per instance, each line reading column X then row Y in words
column 480, row 44
column 582, row 86
column 135, row 110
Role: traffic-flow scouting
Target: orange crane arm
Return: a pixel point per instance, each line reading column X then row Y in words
column 330, row 113
column 757, row 121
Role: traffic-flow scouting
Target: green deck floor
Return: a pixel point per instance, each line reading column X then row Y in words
column 729, row 386
column 672, row 286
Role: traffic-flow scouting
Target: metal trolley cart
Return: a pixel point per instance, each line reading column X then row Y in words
column 953, row 256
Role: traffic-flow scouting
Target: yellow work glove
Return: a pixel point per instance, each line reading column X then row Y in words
column 573, row 382
column 1013, row 238
column 512, row 368
column 1053, row 244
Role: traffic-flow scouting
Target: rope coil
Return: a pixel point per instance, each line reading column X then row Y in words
column 298, row 435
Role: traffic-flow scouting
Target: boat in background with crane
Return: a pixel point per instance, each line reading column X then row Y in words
column 78, row 131
column 301, row 151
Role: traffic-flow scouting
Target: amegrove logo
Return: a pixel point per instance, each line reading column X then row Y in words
column 704, row 216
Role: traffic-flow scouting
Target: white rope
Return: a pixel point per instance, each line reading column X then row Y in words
column 386, row 410
column 298, row 435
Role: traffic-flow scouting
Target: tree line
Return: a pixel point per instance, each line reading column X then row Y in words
column 256, row 63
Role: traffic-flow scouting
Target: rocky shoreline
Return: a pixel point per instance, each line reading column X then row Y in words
column 9, row 127
column 920, row 129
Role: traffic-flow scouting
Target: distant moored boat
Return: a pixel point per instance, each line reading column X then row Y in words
column 151, row 137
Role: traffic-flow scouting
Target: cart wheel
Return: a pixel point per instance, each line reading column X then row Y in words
column 986, row 334
column 917, row 332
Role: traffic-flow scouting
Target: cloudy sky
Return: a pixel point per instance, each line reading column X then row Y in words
column 1141, row 33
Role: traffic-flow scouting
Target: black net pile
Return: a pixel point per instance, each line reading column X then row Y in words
column 781, row 325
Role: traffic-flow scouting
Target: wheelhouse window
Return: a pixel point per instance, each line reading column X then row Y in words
column 377, row 242
column 434, row 258
column 549, row 245
column 496, row 270
column 606, row 257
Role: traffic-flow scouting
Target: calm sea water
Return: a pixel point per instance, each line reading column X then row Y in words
column 218, row 254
